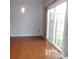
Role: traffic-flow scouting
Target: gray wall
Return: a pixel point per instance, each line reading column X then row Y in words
column 27, row 24
column 47, row 2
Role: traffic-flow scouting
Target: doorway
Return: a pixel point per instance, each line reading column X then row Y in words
column 56, row 24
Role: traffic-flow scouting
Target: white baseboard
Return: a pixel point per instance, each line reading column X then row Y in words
column 25, row 35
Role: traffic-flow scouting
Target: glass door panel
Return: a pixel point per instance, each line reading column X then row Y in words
column 55, row 25
column 50, row 25
column 60, row 21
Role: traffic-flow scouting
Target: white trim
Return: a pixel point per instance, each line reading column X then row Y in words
column 56, row 3
column 65, row 35
column 25, row 35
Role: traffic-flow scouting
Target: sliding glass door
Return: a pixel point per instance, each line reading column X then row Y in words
column 50, row 26
column 55, row 25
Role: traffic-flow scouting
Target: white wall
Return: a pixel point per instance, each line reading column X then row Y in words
column 29, row 23
column 65, row 44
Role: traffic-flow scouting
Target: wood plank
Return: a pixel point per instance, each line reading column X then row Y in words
column 32, row 48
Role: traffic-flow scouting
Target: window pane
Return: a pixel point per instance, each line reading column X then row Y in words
column 51, row 24
column 59, row 33
column 60, row 20
column 55, row 25
column 60, row 9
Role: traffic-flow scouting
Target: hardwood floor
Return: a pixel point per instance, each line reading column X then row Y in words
column 31, row 48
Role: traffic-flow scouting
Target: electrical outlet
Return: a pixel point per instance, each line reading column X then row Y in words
column 38, row 31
